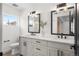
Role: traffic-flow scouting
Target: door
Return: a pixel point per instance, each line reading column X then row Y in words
column 77, row 29
column 10, row 31
column 5, row 41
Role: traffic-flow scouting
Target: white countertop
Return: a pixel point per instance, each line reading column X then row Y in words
column 69, row 40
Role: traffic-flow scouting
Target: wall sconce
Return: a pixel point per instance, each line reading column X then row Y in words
column 62, row 9
column 34, row 13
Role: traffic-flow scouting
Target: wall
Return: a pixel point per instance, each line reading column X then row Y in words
column 0, row 27
column 45, row 11
column 9, row 32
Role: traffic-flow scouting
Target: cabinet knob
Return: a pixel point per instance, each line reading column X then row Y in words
column 37, row 48
column 24, row 43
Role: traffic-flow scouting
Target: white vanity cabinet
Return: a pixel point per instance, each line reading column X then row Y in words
column 60, row 49
column 33, row 47
column 40, row 47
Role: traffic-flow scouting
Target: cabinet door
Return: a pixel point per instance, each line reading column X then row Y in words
column 26, row 47
column 53, row 52
column 30, row 49
column 67, row 53
column 23, row 45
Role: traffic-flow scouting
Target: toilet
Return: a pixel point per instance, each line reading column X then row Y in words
column 15, row 48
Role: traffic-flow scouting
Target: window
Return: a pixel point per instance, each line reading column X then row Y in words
column 9, row 20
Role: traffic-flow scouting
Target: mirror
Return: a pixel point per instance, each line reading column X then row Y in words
column 34, row 23
column 62, row 22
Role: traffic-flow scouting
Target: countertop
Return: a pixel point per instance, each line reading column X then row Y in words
column 69, row 40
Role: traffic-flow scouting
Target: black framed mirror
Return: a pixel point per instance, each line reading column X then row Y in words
column 34, row 23
column 63, row 22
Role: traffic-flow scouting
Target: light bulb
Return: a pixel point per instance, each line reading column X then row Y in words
column 65, row 8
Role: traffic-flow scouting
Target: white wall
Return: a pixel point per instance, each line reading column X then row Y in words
column 45, row 11
column 9, row 32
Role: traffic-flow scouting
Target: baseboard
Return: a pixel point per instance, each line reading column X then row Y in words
column 1, row 54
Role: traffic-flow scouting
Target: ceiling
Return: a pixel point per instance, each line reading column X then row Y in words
column 23, row 6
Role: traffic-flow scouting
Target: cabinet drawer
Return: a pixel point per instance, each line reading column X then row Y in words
column 35, row 41
column 41, row 50
column 40, row 42
column 59, row 45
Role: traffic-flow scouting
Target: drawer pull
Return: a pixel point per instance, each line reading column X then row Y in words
column 37, row 48
column 37, row 41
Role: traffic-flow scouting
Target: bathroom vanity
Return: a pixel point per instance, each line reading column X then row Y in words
column 40, row 46
column 62, row 30
column 61, row 42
